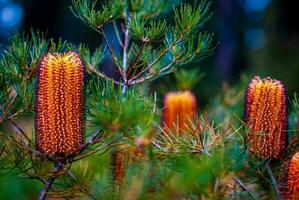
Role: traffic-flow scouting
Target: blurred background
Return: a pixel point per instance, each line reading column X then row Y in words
column 253, row 37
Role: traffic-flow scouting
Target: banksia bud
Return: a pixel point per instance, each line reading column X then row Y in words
column 266, row 117
column 179, row 108
column 289, row 179
column 60, row 105
column 118, row 159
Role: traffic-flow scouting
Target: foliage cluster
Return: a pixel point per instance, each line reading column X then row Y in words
column 209, row 161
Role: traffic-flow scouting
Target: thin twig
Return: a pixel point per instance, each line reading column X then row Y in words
column 24, row 146
column 125, row 67
column 5, row 110
column 155, row 61
column 109, row 145
column 101, row 75
column 133, row 64
column 273, row 180
column 167, row 67
column 20, row 130
column 93, row 139
column 117, row 34
column 12, row 116
column 113, row 56
column 241, row 184
column 72, row 176
column 107, row 43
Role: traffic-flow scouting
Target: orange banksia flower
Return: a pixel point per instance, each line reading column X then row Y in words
column 60, row 105
column 266, row 117
column 179, row 109
column 289, row 179
column 118, row 159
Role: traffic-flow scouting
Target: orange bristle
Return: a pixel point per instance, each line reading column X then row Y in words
column 289, row 179
column 179, row 109
column 60, row 105
column 266, row 117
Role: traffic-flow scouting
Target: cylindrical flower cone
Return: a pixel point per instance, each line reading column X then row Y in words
column 60, row 105
column 118, row 162
column 179, row 109
column 289, row 179
column 266, row 117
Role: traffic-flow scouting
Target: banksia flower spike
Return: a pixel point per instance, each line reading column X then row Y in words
column 179, row 109
column 289, row 179
column 266, row 117
column 118, row 159
column 60, row 105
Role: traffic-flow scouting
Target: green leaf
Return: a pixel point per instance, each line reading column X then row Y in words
column 186, row 79
column 189, row 19
column 113, row 111
column 87, row 11
column 146, row 30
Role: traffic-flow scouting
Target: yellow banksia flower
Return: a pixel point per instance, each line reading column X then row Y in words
column 60, row 105
column 179, row 109
column 266, row 117
column 289, row 179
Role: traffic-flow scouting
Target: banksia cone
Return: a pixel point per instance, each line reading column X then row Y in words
column 60, row 105
column 179, row 108
column 289, row 179
column 266, row 117
column 118, row 159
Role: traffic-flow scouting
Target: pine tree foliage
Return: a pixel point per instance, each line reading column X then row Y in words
column 207, row 160
column 178, row 43
column 112, row 111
